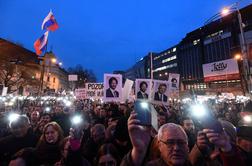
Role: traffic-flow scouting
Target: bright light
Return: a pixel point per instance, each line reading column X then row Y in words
column 68, row 103
column 76, row 120
column 198, row 110
column 54, row 60
column 144, row 105
column 225, row 11
column 60, row 63
column 13, row 117
column 247, row 119
column 47, row 109
column 238, row 56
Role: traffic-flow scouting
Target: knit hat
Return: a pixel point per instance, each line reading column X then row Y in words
column 230, row 130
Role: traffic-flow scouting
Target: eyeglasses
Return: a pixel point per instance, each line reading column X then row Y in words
column 107, row 163
column 171, row 142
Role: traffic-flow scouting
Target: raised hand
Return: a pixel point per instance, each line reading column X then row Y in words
column 140, row 138
column 220, row 140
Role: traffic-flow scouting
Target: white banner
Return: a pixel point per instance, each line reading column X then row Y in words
column 72, row 77
column 94, row 90
column 127, row 90
column 80, row 93
column 5, row 90
column 173, row 81
column 221, row 70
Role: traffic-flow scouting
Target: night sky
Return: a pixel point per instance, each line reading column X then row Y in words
column 106, row 35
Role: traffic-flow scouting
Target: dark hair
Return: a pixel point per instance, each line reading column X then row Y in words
column 173, row 79
column 142, row 83
column 185, row 118
column 111, row 79
column 162, row 85
column 29, row 155
column 105, row 149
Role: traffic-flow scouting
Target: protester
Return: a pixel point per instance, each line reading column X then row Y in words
column 48, row 147
column 34, row 119
column 91, row 147
column 107, row 156
column 71, row 152
column 25, row 157
column 111, row 132
column 21, row 137
column 188, row 126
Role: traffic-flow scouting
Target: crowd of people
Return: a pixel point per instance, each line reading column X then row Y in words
column 110, row 134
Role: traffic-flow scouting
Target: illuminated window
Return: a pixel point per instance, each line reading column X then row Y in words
column 165, row 67
column 174, row 49
column 195, row 42
column 169, row 59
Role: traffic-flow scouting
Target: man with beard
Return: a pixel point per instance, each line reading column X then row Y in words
column 111, row 91
column 188, row 126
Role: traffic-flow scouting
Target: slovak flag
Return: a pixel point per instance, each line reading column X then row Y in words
column 40, row 44
column 50, row 23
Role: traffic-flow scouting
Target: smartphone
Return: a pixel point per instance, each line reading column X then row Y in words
column 212, row 123
column 143, row 110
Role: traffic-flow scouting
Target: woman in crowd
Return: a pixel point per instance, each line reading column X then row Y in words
column 107, row 156
column 48, row 147
column 71, row 151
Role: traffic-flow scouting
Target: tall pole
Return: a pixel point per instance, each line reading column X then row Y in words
column 151, row 65
column 42, row 76
column 244, row 53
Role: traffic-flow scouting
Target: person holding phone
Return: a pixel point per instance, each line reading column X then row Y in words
column 211, row 146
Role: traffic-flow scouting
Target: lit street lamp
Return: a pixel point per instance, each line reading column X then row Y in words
column 238, row 56
column 53, row 60
column 244, row 56
column 225, row 11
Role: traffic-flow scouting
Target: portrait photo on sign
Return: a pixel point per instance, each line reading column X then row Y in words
column 161, row 91
column 112, row 87
column 174, row 81
column 143, row 88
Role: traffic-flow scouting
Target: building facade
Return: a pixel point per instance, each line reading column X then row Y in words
column 140, row 70
column 164, row 63
column 215, row 41
column 55, row 78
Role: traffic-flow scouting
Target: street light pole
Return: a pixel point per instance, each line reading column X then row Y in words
column 245, row 65
column 244, row 52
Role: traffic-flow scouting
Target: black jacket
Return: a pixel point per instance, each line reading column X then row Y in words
column 156, row 97
column 9, row 145
column 110, row 94
column 140, row 95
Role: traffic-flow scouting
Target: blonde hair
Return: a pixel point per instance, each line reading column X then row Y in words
column 55, row 126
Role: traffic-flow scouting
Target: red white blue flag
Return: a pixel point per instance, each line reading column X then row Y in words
column 40, row 44
column 50, row 23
